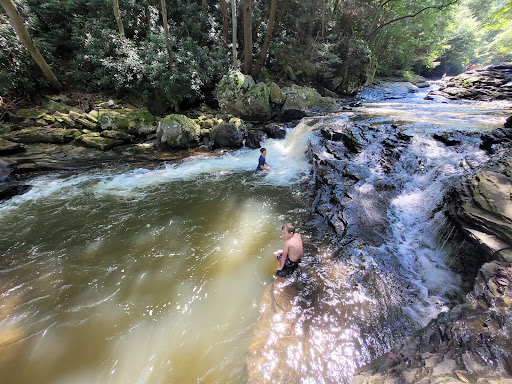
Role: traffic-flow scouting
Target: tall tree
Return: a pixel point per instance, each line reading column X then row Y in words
column 224, row 14
column 233, row 17
column 24, row 36
column 266, row 43
column 166, row 33
column 117, row 15
column 247, row 36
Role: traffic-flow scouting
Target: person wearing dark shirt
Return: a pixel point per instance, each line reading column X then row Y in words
column 262, row 162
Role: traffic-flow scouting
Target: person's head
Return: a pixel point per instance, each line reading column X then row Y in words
column 287, row 230
column 263, row 151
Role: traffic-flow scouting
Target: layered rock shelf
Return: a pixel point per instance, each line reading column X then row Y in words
column 493, row 82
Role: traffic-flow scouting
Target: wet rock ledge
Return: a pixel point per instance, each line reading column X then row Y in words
column 493, row 82
column 472, row 343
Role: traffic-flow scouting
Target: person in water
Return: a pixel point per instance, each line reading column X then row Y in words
column 289, row 257
column 262, row 162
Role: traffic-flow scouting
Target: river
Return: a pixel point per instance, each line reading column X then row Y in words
column 160, row 274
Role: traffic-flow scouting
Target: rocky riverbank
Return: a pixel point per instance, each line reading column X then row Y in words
column 67, row 132
column 492, row 82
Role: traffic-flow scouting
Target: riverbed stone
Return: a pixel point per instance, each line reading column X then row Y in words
column 178, row 131
column 28, row 114
column 117, row 135
column 482, row 207
column 43, row 135
column 7, row 147
column 103, row 143
column 492, row 82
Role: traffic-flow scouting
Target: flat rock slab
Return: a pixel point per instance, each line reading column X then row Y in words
column 7, row 147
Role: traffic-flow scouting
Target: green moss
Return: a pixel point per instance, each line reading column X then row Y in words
column 23, row 114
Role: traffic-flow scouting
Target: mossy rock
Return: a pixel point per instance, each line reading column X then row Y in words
column 43, row 135
column 8, row 147
column 135, row 121
column 240, row 96
column 54, row 106
column 117, row 135
column 276, row 95
column 103, row 143
column 229, row 134
column 299, row 100
column 178, row 131
column 28, row 114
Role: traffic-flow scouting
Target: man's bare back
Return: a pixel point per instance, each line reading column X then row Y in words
column 292, row 248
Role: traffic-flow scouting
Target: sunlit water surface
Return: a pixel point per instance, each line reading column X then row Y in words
column 143, row 275
column 157, row 275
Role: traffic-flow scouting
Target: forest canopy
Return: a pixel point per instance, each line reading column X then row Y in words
column 176, row 52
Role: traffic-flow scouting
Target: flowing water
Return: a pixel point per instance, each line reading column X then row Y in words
column 157, row 274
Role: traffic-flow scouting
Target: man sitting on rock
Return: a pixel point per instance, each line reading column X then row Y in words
column 291, row 253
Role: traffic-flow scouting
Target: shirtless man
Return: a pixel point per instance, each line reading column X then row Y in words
column 292, row 250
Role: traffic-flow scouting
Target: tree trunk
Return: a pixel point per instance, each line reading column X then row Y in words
column 266, row 42
column 311, row 22
column 25, row 38
column 117, row 15
column 233, row 17
column 224, row 14
column 166, row 32
column 323, row 18
column 205, row 11
column 247, row 36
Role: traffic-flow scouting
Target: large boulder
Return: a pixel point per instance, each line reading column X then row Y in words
column 135, row 121
column 300, row 100
column 229, row 133
column 240, row 96
column 178, row 131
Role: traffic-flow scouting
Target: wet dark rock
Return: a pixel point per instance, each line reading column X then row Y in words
column 254, row 138
column 274, row 131
column 469, row 340
column 446, row 139
column 498, row 138
column 493, row 82
column 229, row 134
column 8, row 191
